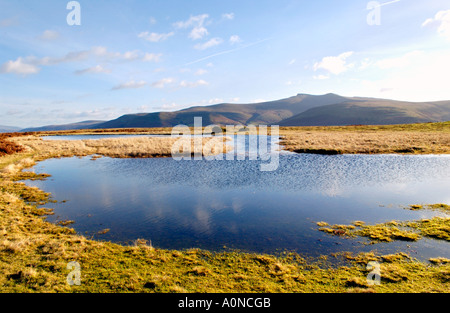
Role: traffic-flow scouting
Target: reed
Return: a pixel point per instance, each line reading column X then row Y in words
column 134, row 147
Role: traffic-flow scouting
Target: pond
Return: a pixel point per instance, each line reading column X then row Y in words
column 233, row 204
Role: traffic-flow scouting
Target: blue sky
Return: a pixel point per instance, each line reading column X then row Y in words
column 135, row 56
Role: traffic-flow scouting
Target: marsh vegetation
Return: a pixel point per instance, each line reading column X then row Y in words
column 432, row 138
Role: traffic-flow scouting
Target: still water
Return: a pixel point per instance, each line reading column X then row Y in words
column 232, row 204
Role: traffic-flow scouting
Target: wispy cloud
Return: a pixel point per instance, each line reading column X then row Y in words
column 375, row 4
column 196, row 24
column 192, row 21
column 235, row 39
column 198, row 32
column 228, row 16
column 227, row 51
column 19, row 67
column 321, row 77
column 200, row 72
column 131, row 55
column 163, row 82
column 441, row 21
column 50, row 35
column 93, row 70
column 186, row 84
column 155, row 37
column 152, row 57
column 399, row 62
column 31, row 65
column 209, row 44
column 130, row 85
column 172, row 82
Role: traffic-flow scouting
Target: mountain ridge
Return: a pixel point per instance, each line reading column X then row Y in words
column 301, row 110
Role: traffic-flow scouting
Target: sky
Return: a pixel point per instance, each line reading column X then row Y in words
column 62, row 63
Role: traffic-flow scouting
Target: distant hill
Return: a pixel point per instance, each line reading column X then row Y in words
column 266, row 113
column 8, row 129
column 79, row 125
column 300, row 110
column 372, row 112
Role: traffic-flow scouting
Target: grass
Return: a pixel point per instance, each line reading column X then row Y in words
column 436, row 227
column 7, row 146
column 429, row 138
column 135, row 147
column 34, row 253
column 438, row 207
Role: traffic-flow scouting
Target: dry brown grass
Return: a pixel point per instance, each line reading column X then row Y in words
column 110, row 131
column 365, row 141
column 7, row 146
column 134, row 147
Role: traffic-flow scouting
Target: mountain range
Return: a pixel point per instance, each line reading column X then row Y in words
column 9, row 129
column 300, row 110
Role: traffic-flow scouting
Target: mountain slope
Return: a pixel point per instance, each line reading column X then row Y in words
column 79, row 125
column 271, row 112
column 372, row 112
column 8, row 129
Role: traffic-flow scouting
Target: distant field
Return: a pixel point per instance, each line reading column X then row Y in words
column 429, row 138
column 426, row 138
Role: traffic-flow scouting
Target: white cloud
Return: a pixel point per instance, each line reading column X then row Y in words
column 152, row 57
column 19, row 67
column 215, row 101
column 235, row 39
column 365, row 64
column 186, row 84
column 155, row 37
column 228, row 16
column 423, row 78
column 193, row 21
column 441, row 21
column 93, row 70
column 321, row 77
column 185, row 70
column 163, row 82
column 130, row 85
column 101, row 113
column 50, row 35
column 335, row 64
column 197, row 23
column 31, row 64
column 209, row 44
column 402, row 61
column 131, row 55
column 292, row 62
column 198, row 32
column 200, row 72
column 293, row 83
column 258, row 100
column 169, row 107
